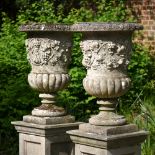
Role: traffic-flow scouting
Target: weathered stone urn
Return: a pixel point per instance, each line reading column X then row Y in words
column 48, row 51
column 106, row 51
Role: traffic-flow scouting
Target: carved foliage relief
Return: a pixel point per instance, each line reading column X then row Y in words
column 105, row 55
column 44, row 51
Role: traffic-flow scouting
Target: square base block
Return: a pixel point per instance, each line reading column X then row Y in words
column 99, row 140
column 48, row 120
column 35, row 139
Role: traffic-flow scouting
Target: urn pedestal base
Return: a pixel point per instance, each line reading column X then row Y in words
column 107, row 119
column 48, row 110
column 35, row 139
column 102, row 140
column 107, row 115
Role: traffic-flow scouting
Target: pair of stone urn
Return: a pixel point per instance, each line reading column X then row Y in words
column 106, row 51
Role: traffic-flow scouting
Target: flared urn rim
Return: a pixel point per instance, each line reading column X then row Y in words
column 80, row 27
column 105, row 26
column 45, row 27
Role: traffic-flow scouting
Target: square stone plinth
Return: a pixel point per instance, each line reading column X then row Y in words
column 98, row 140
column 35, row 139
column 49, row 120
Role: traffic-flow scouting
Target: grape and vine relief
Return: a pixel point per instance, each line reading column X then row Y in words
column 105, row 55
column 44, row 51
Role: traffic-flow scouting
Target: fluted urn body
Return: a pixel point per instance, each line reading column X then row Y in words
column 106, row 51
column 48, row 51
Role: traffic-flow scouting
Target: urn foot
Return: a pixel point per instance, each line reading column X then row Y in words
column 107, row 119
column 48, row 107
column 107, row 115
column 48, row 110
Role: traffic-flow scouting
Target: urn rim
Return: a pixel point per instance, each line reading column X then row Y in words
column 44, row 27
column 80, row 27
column 105, row 26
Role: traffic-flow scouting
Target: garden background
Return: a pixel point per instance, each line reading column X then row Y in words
column 18, row 99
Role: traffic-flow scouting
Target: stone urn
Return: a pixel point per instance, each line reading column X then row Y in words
column 106, row 51
column 49, row 53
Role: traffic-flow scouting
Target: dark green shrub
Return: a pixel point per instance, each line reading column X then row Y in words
column 16, row 97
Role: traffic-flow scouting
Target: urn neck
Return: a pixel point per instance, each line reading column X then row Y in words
column 107, row 105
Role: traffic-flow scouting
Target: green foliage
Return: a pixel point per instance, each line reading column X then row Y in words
column 145, row 119
column 17, row 98
column 140, row 73
column 38, row 12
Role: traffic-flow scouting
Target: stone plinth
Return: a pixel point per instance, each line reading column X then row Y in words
column 99, row 140
column 37, row 139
